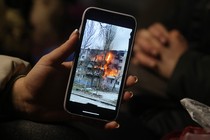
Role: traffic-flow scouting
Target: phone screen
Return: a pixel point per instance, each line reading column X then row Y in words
column 100, row 68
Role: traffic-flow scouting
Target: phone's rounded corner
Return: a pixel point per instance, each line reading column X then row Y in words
column 65, row 108
column 64, row 105
column 135, row 20
column 90, row 8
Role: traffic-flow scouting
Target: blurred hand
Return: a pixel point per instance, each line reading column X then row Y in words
column 159, row 49
column 40, row 94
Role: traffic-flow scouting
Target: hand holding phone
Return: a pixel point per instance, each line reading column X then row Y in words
column 101, row 61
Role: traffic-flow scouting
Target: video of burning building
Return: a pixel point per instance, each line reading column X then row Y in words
column 101, row 60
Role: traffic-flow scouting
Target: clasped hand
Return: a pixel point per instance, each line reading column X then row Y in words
column 159, row 49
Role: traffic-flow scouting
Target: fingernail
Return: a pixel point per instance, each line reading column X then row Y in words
column 131, row 94
column 117, row 125
column 136, row 79
column 75, row 31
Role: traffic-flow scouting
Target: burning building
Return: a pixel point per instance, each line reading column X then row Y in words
column 101, row 70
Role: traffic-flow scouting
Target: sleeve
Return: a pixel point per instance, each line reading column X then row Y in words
column 11, row 68
column 191, row 78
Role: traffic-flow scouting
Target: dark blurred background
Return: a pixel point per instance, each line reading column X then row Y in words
column 32, row 28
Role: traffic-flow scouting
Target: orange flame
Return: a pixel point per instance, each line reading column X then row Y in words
column 109, row 57
column 106, row 68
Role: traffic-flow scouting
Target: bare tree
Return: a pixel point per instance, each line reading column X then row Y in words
column 89, row 34
column 108, row 33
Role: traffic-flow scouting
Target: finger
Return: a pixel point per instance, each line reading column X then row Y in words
column 112, row 125
column 127, row 95
column 160, row 32
column 148, row 46
column 58, row 55
column 68, row 65
column 147, row 43
column 146, row 60
column 177, row 42
column 176, row 37
column 131, row 80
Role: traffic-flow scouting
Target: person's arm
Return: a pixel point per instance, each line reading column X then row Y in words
column 39, row 95
column 191, row 78
column 11, row 68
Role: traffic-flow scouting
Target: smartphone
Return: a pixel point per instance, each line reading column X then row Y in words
column 101, row 61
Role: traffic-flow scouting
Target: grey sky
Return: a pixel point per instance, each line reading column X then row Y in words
column 120, row 41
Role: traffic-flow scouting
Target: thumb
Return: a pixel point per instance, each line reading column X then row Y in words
column 176, row 39
column 58, row 55
column 176, row 43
